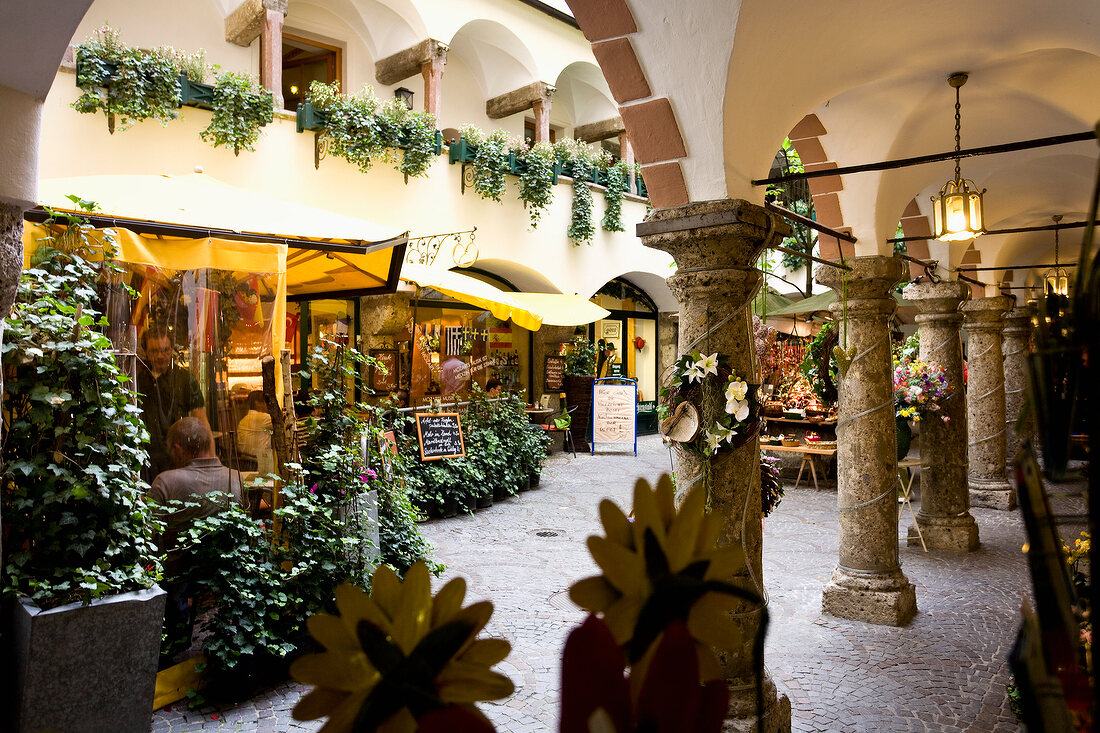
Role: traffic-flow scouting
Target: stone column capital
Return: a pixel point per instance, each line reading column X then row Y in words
column 711, row 235
column 942, row 298
column 1018, row 322
column 986, row 312
column 872, row 277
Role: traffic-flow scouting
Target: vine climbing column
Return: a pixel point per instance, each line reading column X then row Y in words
column 985, row 403
column 715, row 244
column 867, row 583
column 944, row 517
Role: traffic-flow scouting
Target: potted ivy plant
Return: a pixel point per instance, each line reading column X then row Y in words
column 83, row 611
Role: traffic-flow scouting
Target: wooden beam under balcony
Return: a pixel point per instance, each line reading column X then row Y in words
column 602, row 130
column 518, row 100
column 409, row 62
column 245, row 23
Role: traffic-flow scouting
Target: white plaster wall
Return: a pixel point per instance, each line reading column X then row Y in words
column 20, row 115
column 187, row 26
column 79, row 145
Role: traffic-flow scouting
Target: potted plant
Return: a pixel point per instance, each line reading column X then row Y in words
column 580, row 372
column 919, row 388
column 536, row 181
column 581, row 160
column 83, row 612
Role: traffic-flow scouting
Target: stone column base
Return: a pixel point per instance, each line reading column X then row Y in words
column 956, row 534
column 992, row 494
column 887, row 599
column 741, row 714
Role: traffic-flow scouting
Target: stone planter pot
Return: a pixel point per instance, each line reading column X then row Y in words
column 533, row 479
column 524, row 484
column 91, row 668
column 449, row 507
column 578, row 393
column 484, row 502
column 500, row 493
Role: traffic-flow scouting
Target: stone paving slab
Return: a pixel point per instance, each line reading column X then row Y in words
column 946, row 671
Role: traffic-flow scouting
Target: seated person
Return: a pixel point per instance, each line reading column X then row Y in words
column 254, row 434
column 494, row 387
column 167, row 393
column 198, row 477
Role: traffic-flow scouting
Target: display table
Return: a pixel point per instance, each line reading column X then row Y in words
column 809, row 455
column 538, row 415
column 906, row 483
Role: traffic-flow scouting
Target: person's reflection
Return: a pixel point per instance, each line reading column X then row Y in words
column 166, row 394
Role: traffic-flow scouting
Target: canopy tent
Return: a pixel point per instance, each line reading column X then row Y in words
column 527, row 310
column 330, row 254
column 767, row 302
column 819, row 302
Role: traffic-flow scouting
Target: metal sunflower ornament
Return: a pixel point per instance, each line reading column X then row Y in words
column 665, row 567
column 400, row 660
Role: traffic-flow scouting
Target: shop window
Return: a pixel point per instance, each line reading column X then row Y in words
column 311, row 323
column 306, row 61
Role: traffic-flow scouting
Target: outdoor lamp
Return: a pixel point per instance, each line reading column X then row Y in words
column 404, row 95
column 1056, row 278
column 958, row 208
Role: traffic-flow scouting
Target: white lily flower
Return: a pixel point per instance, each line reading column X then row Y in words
column 730, row 435
column 738, row 408
column 736, row 390
column 713, row 441
column 695, row 374
column 708, row 364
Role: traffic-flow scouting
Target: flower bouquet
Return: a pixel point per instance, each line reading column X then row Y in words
column 920, row 388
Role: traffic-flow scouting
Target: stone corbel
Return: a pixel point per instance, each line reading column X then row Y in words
column 410, row 61
column 518, row 100
column 602, row 130
column 244, row 25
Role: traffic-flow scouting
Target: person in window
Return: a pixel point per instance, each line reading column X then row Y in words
column 494, row 387
column 200, row 478
column 166, row 394
column 254, row 434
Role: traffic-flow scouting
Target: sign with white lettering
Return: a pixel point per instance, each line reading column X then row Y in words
column 440, row 435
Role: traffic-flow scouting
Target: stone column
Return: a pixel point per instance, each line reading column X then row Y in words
column 626, row 152
column 944, row 515
column 868, row 583
column 11, row 258
column 1017, row 337
column 985, row 403
column 541, row 109
column 432, row 71
column 715, row 244
column 271, row 51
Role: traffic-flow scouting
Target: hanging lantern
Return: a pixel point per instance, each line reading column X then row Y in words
column 1056, row 279
column 958, row 210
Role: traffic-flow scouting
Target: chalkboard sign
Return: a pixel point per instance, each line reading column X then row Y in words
column 440, row 435
column 555, row 373
column 384, row 379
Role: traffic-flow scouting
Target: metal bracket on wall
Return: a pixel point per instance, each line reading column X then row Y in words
column 423, row 250
column 467, row 176
column 320, row 148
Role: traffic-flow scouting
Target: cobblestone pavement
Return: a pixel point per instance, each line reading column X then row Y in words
column 945, row 671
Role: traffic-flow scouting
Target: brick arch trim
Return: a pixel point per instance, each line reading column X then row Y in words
column 650, row 121
column 806, row 139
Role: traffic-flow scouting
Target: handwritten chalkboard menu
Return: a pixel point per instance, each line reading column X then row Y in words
column 440, row 435
column 555, row 373
column 614, row 416
column 383, row 378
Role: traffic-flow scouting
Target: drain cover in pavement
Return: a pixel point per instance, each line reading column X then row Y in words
column 560, row 601
column 546, row 533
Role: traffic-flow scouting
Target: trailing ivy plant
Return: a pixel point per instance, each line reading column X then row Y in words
column 241, row 108
column 76, row 525
column 126, row 84
column 582, row 159
column 617, row 183
column 536, row 182
column 490, row 161
column 362, row 129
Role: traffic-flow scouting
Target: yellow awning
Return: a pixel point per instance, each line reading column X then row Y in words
column 329, row 254
column 473, row 291
column 556, row 309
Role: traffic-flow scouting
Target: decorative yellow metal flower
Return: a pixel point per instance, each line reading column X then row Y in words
column 664, row 566
column 398, row 654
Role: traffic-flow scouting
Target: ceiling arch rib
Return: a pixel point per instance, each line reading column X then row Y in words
column 498, row 60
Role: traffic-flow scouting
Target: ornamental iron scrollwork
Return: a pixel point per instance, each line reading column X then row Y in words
column 423, row 250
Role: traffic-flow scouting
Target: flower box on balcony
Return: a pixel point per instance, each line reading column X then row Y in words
column 461, row 151
column 196, row 94
column 311, row 119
